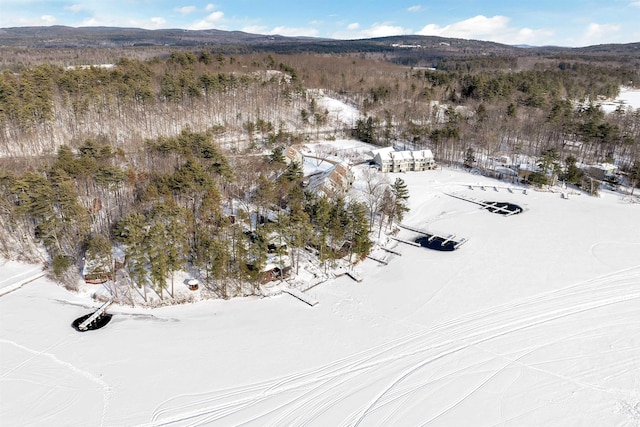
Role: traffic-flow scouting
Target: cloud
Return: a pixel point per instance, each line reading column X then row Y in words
column 601, row 33
column 597, row 30
column 185, row 10
column 255, row 29
column 495, row 29
column 416, row 8
column 210, row 7
column 153, row 23
column 93, row 22
column 294, row 32
column 383, row 30
column 48, row 19
column 75, row 8
column 208, row 22
column 477, row 26
column 215, row 16
column 353, row 31
column 158, row 22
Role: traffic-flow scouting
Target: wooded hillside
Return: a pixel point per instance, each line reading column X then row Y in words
column 177, row 158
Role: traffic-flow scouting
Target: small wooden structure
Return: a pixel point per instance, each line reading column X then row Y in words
column 97, row 278
column 193, row 284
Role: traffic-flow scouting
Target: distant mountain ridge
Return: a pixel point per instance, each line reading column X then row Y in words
column 112, row 37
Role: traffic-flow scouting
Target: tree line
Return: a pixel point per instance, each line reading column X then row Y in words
column 492, row 104
column 170, row 150
column 181, row 201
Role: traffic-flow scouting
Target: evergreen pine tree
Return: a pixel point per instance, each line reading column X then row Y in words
column 634, row 175
column 177, row 245
column 131, row 232
column 156, row 243
column 358, row 229
column 400, row 194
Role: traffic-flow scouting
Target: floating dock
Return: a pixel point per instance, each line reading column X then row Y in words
column 502, row 208
column 95, row 316
column 433, row 240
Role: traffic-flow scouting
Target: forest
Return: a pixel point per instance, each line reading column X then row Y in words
column 177, row 159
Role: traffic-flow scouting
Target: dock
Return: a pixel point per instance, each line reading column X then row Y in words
column 95, row 316
column 431, row 236
column 300, row 295
column 496, row 208
column 380, row 260
column 408, row 242
column 415, row 230
column 460, row 243
column 391, row 251
column 492, row 206
column 354, row 275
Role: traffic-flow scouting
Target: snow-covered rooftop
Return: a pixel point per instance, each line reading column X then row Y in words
column 389, row 153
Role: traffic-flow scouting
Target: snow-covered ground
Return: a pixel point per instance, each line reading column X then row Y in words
column 534, row 321
column 339, row 112
column 628, row 98
column 15, row 275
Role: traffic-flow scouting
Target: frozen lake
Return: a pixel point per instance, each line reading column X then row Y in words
column 534, row 321
column 628, row 98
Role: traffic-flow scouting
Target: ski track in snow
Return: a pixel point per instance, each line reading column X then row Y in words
column 14, row 282
column 106, row 389
column 385, row 381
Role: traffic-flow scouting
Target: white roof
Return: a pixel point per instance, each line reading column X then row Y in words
column 422, row 154
column 382, row 151
column 389, row 153
column 606, row 167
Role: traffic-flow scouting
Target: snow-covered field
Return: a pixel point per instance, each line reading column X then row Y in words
column 534, row 321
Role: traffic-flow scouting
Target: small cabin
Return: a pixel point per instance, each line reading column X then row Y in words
column 193, row 284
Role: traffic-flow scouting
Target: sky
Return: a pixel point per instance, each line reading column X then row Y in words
column 541, row 22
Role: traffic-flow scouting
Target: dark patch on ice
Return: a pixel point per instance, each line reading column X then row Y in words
column 100, row 322
column 502, row 208
column 436, row 243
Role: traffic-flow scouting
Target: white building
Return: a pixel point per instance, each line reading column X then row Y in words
column 602, row 171
column 332, row 182
column 389, row 160
column 293, row 153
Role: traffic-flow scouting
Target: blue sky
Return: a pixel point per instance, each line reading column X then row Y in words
column 534, row 22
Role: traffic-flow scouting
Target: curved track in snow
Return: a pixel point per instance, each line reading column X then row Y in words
column 472, row 361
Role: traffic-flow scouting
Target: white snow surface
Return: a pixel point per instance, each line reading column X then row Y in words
column 628, row 98
column 535, row 321
column 339, row 111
